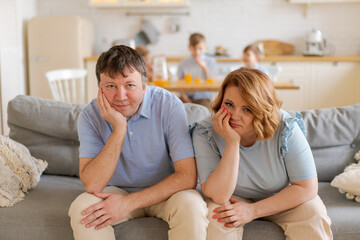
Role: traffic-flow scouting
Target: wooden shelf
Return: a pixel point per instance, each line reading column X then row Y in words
column 312, row 59
column 290, row 58
column 140, row 4
column 323, row 1
column 204, row 86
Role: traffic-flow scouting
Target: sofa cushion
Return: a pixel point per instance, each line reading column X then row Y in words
column 142, row 228
column 344, row 214
column 48, row 117
column 43, row 213
column 334, row 137
column 257, row 229
column 48, row 129
column 196, row 112
column 45, row 209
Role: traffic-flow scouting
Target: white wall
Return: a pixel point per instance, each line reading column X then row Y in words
column 27, row 10
column 13, row 15
column 230, row 23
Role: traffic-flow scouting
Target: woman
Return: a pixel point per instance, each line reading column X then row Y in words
column 254, row 162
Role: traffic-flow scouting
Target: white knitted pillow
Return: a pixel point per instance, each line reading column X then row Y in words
column 349, row 181
column 19, row 171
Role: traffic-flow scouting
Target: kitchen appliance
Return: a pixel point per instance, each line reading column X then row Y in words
column 315, row 43
column 60, row 42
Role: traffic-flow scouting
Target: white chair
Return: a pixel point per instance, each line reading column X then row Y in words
column 67, row 85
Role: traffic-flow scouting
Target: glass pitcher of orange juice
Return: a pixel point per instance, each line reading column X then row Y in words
column 160, row 71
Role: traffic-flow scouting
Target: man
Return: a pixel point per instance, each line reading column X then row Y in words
column 136, row 155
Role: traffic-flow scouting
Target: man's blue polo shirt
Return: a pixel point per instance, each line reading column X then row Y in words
column 157, row 135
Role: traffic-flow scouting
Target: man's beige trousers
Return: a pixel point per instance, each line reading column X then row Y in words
column 185, row 212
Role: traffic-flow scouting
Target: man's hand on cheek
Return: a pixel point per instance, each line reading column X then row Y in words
column 109, row 113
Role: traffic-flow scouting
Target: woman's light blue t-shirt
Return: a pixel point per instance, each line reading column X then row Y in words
column 157, row 135
column 264, row 168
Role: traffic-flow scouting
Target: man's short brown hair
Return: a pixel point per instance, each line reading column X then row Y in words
column 117, row 59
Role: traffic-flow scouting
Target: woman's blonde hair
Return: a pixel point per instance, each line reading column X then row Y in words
column 258, row 91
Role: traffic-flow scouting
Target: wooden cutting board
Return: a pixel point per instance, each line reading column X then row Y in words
column 276, row 48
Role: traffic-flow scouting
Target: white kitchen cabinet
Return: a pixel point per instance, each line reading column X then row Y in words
column 323, row 1
column 336, row 84
column 322, row 84
column 299, row 74
column 140, row 3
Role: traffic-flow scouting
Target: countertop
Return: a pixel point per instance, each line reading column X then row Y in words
column 181, row 85
column 289, row 58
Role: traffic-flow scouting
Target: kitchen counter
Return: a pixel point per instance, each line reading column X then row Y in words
column 289, row 58
column 180, row 85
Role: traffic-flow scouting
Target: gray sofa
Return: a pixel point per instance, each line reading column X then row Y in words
column 48, row 129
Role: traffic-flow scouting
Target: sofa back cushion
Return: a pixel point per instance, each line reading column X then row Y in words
column 334, row 137
column 196, row 112
column 48, row 129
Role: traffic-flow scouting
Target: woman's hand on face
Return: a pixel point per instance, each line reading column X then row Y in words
column 222, row 127
column 235, row 214
column 116, row 119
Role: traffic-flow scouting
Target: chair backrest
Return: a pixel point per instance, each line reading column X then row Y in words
column 67, row 85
